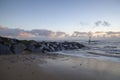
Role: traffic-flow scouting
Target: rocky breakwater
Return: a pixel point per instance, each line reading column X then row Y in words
column 14, row 46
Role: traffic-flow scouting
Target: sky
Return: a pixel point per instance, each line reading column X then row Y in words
column 61, row 15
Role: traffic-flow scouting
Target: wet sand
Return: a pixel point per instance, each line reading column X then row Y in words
column 56, row 67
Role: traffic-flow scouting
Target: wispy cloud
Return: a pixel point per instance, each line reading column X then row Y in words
column 83, row 23
column 105, row 23
column 98, row 23
column 102, row 23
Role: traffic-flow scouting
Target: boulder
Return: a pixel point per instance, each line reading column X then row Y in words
column 35, row 48
column 80, row 45
column 4, row 49
column 18, row 48
column 30, row 47
column 52, row 49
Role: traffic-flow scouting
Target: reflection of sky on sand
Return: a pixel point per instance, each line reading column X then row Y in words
column 82, row 68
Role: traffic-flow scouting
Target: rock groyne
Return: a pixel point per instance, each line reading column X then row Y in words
column 14, row 46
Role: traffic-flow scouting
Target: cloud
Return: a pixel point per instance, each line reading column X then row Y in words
column 102, row 23
column 60, row 34
column 111, row 33
column 25, row 34
column 21, row 33
column 98, row 23
column 78, row 34
column 3, row 27
column 48, row 33
column 4, row 31
column 43, row 34
column 105, row 23
column 83, row 23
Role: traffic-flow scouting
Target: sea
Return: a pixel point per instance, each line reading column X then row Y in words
column 105, row 49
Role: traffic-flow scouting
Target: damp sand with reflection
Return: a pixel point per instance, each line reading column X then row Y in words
column 44, row 67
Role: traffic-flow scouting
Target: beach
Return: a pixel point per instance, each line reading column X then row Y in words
column 60, row 40
column 56, row 67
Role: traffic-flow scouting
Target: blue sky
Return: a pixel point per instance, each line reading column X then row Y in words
column 60, row 15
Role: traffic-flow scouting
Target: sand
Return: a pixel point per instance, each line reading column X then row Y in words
column 56, row 67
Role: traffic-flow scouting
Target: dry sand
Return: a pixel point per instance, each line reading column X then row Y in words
column 56, row 67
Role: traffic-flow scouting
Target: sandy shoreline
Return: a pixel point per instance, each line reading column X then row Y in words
column 56, row 67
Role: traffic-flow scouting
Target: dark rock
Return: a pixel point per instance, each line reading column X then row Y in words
column 4, row 49
column 10, row 46
column 52, row 49
column 34, row 47
column 18, row 48
column 31, row 47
